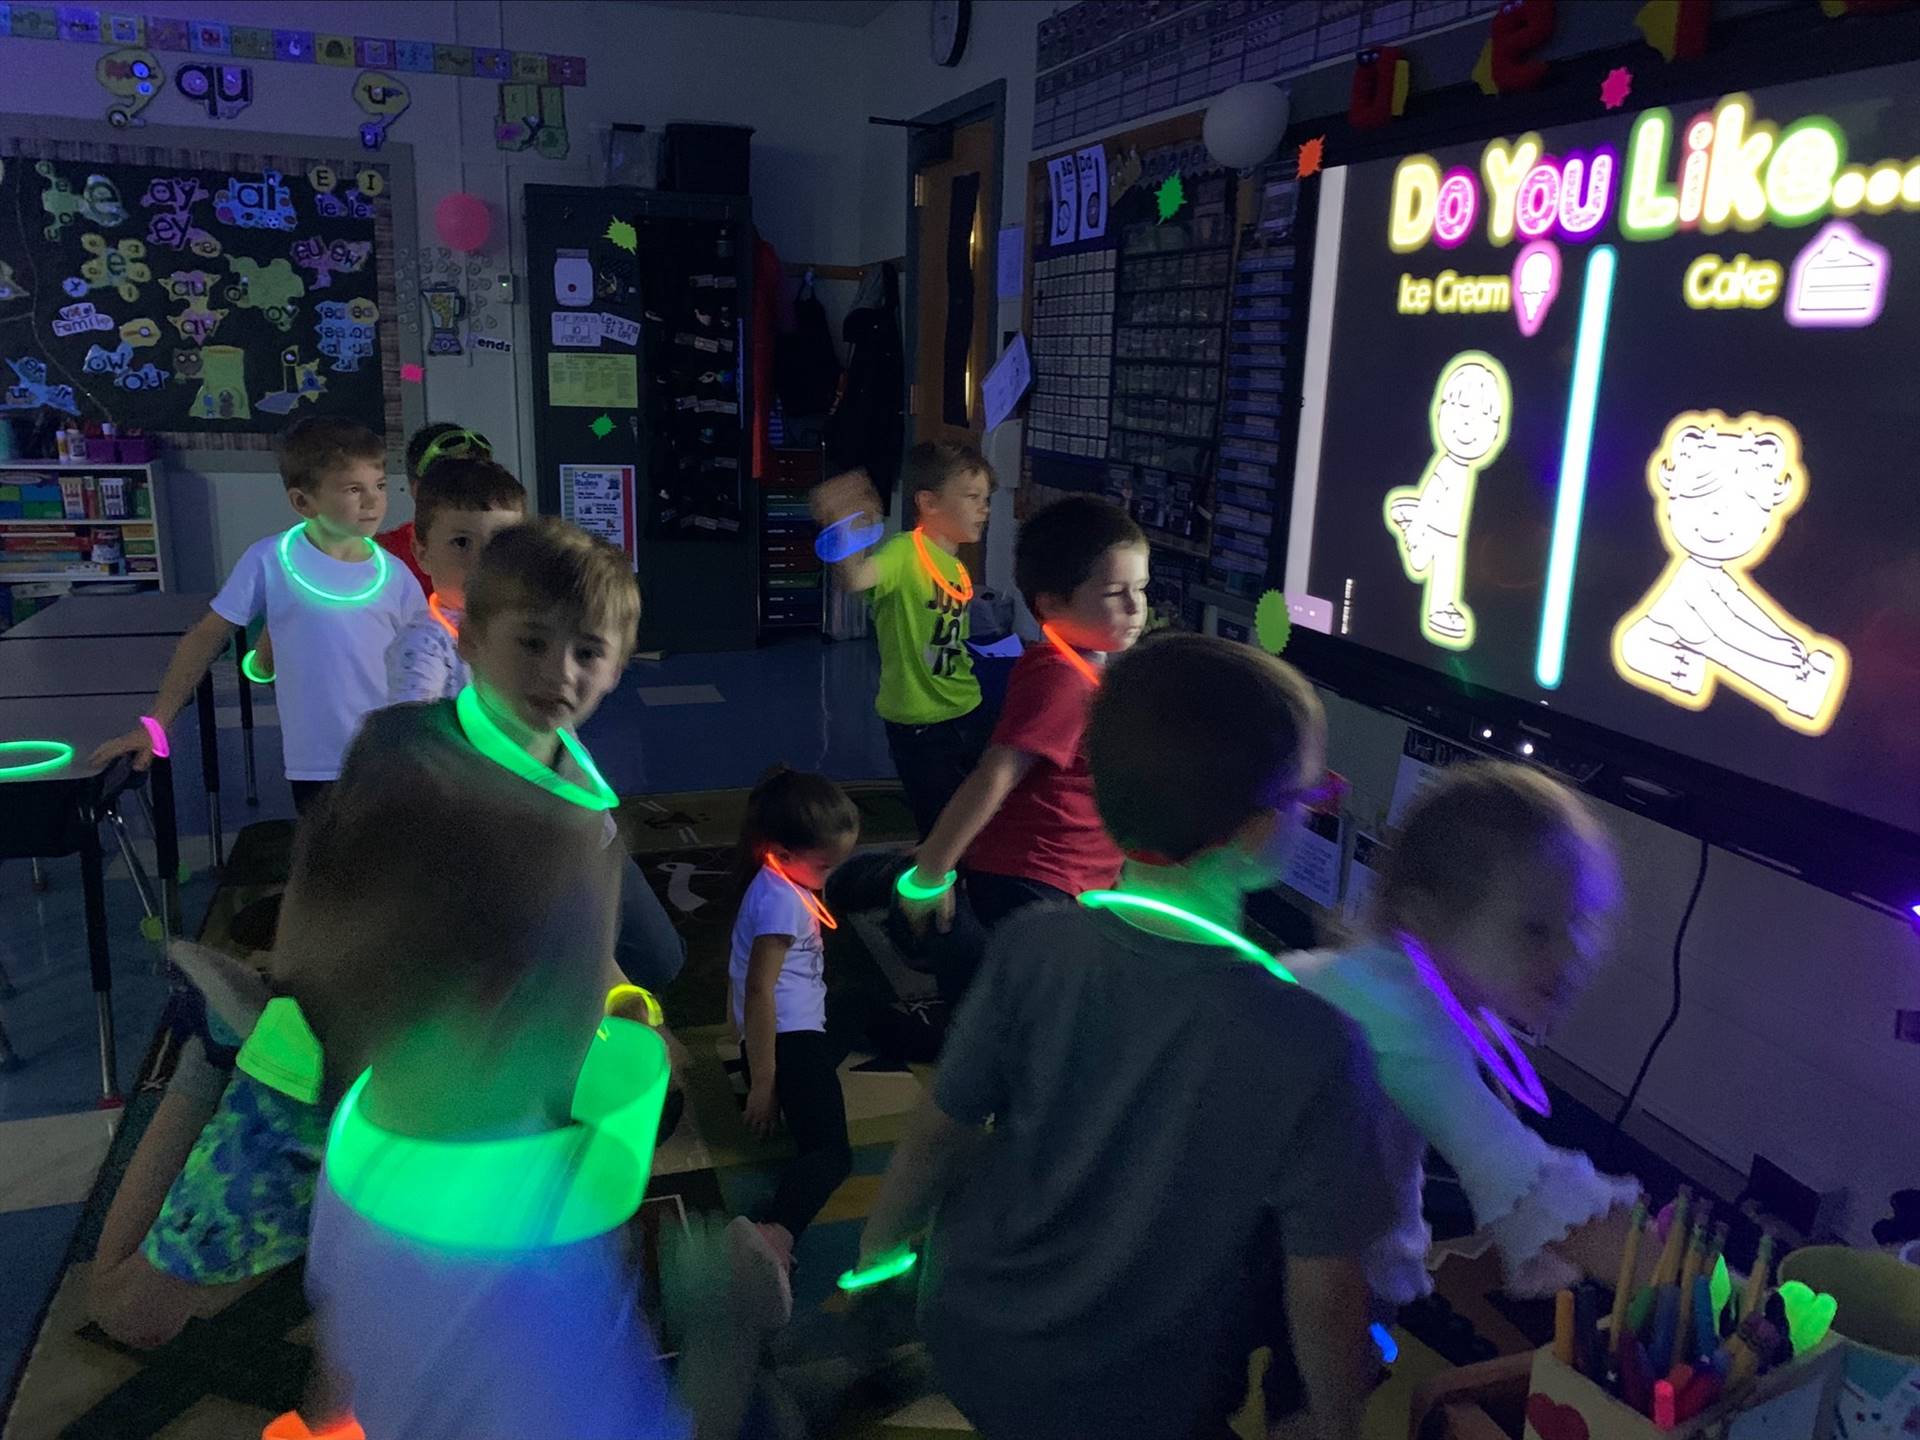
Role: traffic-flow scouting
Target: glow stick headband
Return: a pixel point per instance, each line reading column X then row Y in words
column 1512, row 1069
column 491, row 741
column 807, row 898
column 961, row 594
column 454, row 444
column 524, row 1193
column 358, row 597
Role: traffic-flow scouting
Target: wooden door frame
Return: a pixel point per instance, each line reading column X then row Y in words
column 930, row 135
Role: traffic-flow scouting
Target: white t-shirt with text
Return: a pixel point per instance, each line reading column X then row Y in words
column 772, row 906
column 329, row 659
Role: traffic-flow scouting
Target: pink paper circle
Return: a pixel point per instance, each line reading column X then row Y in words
column 463, row 222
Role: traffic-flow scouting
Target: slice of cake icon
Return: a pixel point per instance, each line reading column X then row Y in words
column 1839, row 279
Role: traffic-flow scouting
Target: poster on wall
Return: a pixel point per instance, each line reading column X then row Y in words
column 600, row 500
column 189, row 299
column 1615, row 418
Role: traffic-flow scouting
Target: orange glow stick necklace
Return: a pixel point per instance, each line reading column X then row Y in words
column 807, row 897
column 433, row 609
column 961, row 593
column 1074, row 657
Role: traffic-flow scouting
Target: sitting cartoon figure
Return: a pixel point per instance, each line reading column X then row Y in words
column 1429, row 520
column 1725, row 488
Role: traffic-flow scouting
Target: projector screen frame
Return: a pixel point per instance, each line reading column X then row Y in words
column 1857, row 857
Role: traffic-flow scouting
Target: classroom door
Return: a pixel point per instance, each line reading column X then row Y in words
column 954, row 301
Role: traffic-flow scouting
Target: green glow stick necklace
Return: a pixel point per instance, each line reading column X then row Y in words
column 899, row 1262
column 1121, row 901
column 528, row 1192
column 53, row 753
column 492, row 741
column 332, row 597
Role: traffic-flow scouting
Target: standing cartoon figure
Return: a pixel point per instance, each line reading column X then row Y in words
column 1428, row 521
column 1724, row 490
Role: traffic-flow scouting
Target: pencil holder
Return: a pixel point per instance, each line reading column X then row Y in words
column 1794, row 1402
column 1877, row 1322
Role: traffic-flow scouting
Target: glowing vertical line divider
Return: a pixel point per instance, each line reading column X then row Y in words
column 1596, row 305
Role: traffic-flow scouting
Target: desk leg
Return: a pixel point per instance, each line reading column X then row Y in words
column 246, row 711
column 210, row 765
column 165, row 821
column 94, row 889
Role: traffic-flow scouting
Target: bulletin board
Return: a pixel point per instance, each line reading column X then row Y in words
column 210, row 298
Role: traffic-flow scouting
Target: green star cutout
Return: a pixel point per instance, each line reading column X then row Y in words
column 1171, row 195
column 601, row 427
column 1272, row 626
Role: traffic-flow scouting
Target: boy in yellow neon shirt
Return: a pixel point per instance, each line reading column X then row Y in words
column 919, row 591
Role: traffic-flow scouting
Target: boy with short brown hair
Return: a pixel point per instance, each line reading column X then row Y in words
column 457, row 508
column 919, row 592
column 332, row 598
column 1136, row 1118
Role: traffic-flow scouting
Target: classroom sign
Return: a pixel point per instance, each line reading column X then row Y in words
column 190, row 299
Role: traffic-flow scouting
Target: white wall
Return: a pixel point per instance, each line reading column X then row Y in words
column 647, row 64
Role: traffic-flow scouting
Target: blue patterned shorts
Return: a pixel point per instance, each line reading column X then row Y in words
column 242, row 1204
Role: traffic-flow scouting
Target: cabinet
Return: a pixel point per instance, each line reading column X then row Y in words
column 793, row 580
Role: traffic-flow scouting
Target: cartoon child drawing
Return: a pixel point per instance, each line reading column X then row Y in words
column 1725, row 489
column 1471, row 403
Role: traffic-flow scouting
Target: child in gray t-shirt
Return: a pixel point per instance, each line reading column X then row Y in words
column 1170, row 1118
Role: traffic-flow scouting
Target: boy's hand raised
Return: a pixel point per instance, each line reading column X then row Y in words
column 844, row 495
column 136, row 742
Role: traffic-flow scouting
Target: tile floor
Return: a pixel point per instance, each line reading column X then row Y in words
column 688, row 722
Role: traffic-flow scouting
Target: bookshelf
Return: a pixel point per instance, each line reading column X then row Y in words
column 67, row 523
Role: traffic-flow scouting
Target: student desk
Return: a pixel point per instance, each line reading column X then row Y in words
column 58, row 812
column 157, row 613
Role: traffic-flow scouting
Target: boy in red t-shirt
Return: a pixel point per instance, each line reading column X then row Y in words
column 1023, row 826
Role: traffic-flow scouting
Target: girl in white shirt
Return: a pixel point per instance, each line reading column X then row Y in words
column 1493, row 905
column 798, row 828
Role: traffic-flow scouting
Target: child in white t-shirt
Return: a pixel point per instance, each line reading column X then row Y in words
column 798, row 828
column 334, row 600
column 458, row 506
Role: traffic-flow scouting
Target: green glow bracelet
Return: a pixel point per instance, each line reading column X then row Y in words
column 910, row 889
column 1120, row 900
column 525, row 1193
column 358, row 597
column 56, row 753
column 250, row 668
column 498, row 746
column 891, row 1267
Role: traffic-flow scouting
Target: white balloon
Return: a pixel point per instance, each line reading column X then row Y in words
column 1244, row 124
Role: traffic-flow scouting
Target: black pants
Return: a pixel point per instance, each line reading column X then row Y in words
column 994, row 897
column 932, row 760
column 305, row 792
column 808, row 1087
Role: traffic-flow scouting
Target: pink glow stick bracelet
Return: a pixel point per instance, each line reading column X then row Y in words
column 157, row 734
